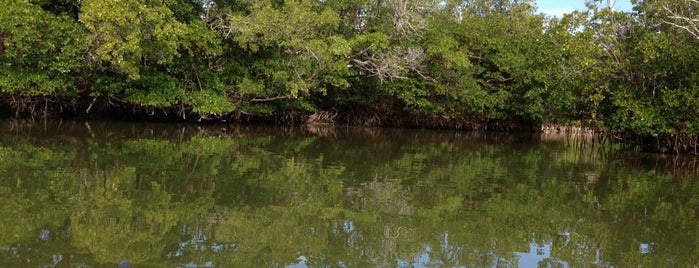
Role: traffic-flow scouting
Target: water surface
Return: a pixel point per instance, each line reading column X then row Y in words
column 76, row 194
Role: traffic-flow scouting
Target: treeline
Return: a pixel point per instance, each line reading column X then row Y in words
column 460, row 64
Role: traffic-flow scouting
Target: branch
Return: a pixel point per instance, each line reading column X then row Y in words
column 501, row 81
column 269, row 99
column 393, row 64
column 684, row 22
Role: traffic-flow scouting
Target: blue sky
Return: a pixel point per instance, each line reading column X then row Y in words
column 558, row 7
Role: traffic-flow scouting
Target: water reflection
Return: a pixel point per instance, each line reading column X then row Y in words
column 167, row 195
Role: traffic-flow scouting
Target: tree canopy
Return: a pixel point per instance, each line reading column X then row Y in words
column 459, row 64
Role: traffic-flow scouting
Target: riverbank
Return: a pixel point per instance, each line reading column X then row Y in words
column 111, row 109
column 40, row 107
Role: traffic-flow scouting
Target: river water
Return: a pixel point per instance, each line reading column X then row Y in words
column 77, row 194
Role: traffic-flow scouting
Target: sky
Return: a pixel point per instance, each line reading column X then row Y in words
column 559, row 7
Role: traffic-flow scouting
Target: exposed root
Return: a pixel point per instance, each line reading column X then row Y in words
column 555, row 128
column 327, row 117
column 112, row 107
column 33, row 106
column 663, row 143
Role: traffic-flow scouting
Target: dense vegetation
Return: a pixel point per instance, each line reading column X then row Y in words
column 460, row 64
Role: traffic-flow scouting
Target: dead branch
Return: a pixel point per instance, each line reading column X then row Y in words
column 393, row 64
column 684, row 21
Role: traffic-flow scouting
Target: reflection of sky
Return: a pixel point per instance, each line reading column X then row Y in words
column 421, row 261
column 538, row 254
column 297, row 265
column 199, row 242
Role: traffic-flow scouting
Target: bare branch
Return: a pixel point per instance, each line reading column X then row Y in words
column 687, row 20
column 408, row 20
column 220, row 23
column 393, row 64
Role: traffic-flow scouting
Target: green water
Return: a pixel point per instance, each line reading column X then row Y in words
column 75, row 194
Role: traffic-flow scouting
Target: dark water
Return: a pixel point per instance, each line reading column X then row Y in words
column 74, row 194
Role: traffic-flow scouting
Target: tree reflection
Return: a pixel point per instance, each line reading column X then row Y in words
column 112, row 225
column 248, row 199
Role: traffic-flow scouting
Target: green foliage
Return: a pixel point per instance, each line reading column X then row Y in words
column 127, row 34
column 208, row 103
column 280, row 55
column 40, row 52
column 645, row 72
column 157, row 90
column 475, row 60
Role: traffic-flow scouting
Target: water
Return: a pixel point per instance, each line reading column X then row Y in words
column 75, row 194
